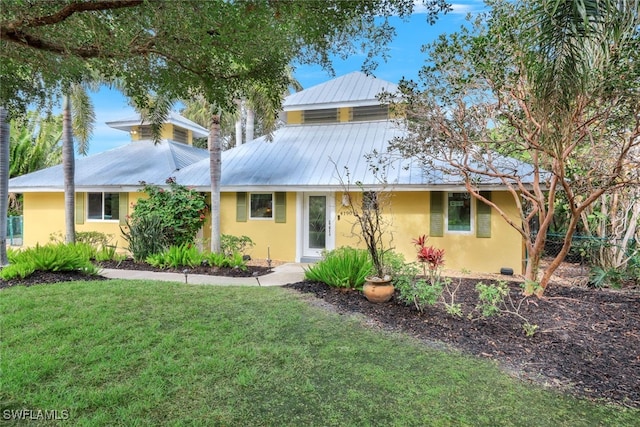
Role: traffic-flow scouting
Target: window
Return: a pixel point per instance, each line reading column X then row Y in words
column 145, row 132
column 103, row 206
column 326, row 115
column 458, row 212
column 261, row 205
column 180, row 135
column 369, row 200
column 370, row 112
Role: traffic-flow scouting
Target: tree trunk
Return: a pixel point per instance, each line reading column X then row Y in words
column 215, row 163
column 68, row 166
column 251, row 118
column 239, row 124
column 4, row 184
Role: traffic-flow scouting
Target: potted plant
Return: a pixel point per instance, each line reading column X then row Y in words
column 372, row 227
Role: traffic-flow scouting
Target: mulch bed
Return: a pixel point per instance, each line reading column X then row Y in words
column 587, row 342
column 129, row 264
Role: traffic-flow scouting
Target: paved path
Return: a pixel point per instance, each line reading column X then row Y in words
column 281, row 275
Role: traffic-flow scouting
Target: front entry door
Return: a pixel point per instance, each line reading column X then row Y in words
column 317, row 234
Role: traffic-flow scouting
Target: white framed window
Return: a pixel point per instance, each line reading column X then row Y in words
column 459, row 213
column 103, row 206
column 261, row 206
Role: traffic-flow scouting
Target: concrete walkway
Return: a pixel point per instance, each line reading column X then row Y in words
column 281, row 275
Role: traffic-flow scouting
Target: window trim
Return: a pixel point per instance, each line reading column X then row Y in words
column 102, row 193
column 273, row 207
column 472, row 211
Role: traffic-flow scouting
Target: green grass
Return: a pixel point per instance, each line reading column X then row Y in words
column 144, row 353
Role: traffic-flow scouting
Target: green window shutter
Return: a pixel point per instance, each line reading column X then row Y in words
column 483, row 216
column 281, row 207
column 241, row 207
column 123, row 210
column 79, row 208
column 436, row 228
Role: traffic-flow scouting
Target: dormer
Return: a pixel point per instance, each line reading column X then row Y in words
column 177, row 128
column 350, row 98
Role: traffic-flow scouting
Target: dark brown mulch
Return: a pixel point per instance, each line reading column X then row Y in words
column 587, row 341
column 130, row 264
column 42, row 277
column 49, row 278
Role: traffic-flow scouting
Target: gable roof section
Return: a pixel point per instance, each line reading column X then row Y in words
column 120, row 169
column 174, row 118
column 353, row 89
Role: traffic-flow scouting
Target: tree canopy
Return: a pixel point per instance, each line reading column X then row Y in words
column 554, row 83
column 216, row 48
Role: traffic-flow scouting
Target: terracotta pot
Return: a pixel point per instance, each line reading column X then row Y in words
column 378, row 290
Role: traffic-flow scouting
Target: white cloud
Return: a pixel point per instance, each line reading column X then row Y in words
column 473, row 6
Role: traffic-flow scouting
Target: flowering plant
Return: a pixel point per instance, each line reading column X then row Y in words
column 430, row 257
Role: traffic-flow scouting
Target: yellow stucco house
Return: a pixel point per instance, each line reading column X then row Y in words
column 288, row 194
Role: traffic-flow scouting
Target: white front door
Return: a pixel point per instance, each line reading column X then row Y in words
column 317, row 233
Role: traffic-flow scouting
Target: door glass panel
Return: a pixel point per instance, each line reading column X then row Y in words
column 317, row 221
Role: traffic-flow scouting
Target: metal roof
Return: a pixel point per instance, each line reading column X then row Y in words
column 298, row 158
column 353, row 89
column 120, row 168
column 318, row 157
column 174, row 118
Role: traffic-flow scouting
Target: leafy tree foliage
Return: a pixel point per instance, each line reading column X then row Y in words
column 216, row 48
column 34, row 143
column 552, row 82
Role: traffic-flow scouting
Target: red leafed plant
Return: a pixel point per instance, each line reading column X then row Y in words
column 429, row 256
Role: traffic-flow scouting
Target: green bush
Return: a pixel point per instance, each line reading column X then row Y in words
column 233, row 244
column 51, row 257
column 185, row 255
column 145, row 236
column 181, row 211
column 221, row 260
column 344, row 267
column 13, row 271
column 101, row 249
column 420, row 292
column 95, row 239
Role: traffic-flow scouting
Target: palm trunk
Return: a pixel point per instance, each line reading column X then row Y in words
column 239, row 124
column 251, row 118
column 215, row 163
column 68, row 166
column 4, row 184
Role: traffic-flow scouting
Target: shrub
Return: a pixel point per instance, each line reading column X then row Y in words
column 185, row 255
column 425, row 291
column 221, row 260
column 343, row 268
column 233, row 244
column 101, row 249
column 145, row 236
column 181, row 211
column 495, row 299
column 51, row 257
column 13, row 271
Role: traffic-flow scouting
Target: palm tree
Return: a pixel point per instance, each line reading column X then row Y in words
column 78, row 117
column 34, row 143
column 4, row 184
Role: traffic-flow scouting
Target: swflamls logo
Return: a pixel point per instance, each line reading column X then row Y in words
column 35, row 414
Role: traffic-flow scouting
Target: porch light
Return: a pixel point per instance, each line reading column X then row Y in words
column 346, row 200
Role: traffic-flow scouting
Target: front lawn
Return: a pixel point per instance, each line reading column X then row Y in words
column 149, row 353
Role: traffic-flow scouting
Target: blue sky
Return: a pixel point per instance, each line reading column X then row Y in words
column 405, row 60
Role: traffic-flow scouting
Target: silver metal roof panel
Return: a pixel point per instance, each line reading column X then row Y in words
column 353, row 89
column 120, row 167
